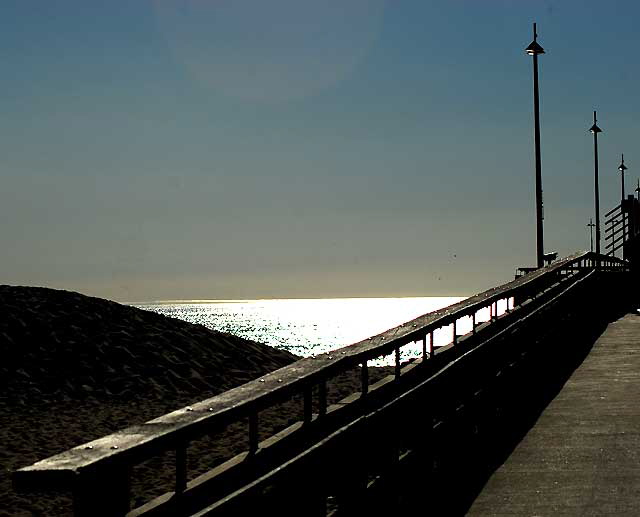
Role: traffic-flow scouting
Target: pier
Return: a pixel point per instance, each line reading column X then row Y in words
column 428, row 436
column 531, row 407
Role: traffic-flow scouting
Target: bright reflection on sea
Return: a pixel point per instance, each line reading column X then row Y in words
column 310, row 327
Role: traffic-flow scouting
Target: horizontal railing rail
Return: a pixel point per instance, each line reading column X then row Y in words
column 616, row 230
column 85, row 469
column 614, row 226
column 617, row 208
column 618, row 241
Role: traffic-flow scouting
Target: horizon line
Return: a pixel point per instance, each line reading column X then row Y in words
column 245, row 300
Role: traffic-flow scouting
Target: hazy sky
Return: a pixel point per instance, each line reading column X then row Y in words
column 217, row 149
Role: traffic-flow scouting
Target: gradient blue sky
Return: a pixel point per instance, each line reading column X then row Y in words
column 247, row 149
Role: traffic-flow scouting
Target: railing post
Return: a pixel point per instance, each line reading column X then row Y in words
column 397, row 366
column 322, row 398
column 181, row 468
column 473, row 322
column 254, row 435
column 364, row 379
column 455, row 337
column 307, row 409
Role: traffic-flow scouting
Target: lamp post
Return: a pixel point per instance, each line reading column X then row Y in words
column 595, row 130
column 591, row 225
column 622, row 167
column 638, row 190
column 534, row 49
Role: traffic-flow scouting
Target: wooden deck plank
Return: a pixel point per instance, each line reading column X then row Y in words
column 582, row 457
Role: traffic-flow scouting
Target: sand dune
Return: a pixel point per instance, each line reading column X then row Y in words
column 75, row 368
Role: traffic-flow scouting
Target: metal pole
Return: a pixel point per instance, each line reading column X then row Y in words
column 591, row 225
column 595, row 130
column 622, row 167
column 597, row 191
column 536, row 118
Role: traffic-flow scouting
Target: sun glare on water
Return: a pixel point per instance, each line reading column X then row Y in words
column 310, row 326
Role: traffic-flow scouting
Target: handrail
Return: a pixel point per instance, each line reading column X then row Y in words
column 174, row 430
column 619, row 239
column 316, row 448
column 613, row 223
column 619, row 207
column 618, row 235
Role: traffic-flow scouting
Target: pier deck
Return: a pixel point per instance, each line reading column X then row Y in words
column 582, row 456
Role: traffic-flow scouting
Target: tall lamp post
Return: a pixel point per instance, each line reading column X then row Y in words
column 595, row 130
column 591, row 225
column 622, row 167
column 534, row 49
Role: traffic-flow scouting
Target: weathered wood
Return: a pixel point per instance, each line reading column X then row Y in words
column 181, row 468
column 254, row 433
column 322, row 398
column 364, row 379
column 307, row 405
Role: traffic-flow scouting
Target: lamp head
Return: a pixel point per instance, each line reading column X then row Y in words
column 622, row 167
column 595, row 129
column 534, row 48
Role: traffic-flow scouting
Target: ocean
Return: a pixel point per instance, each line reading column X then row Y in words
column 308, row 327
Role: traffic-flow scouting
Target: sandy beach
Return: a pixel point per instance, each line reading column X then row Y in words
column 76, row 368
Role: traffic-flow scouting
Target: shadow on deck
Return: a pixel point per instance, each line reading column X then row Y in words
column 454, row 488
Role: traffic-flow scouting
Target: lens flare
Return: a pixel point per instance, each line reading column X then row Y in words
column 269, row 51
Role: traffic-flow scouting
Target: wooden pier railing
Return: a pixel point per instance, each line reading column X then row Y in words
column 327, row 458
column 622, row 228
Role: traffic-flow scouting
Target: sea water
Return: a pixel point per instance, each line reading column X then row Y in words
column 312, row 326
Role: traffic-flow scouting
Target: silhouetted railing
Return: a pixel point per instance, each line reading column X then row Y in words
column 97, row 473
column 615, row 230
column 622, row 229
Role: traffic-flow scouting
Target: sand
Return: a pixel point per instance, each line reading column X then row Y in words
column 75, row 368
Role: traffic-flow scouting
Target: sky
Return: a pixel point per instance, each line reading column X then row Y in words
column 241, row 149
